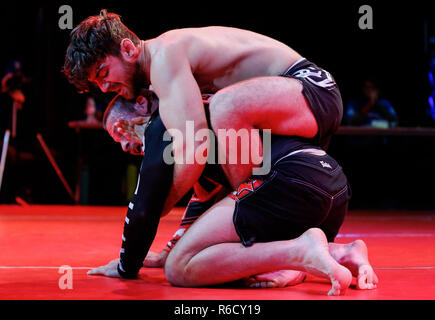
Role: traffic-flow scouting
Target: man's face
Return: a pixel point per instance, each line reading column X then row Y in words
column 114, row 74
column 126, row 145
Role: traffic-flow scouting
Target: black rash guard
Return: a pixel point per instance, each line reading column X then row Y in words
column 154, row 182
column 144, row 211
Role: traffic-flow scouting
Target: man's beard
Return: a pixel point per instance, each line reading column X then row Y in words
column 136, row 78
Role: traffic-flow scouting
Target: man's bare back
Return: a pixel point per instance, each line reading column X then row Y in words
column 222, row 56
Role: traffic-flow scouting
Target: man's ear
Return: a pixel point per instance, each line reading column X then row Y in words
column 129, row 51
column 142, row 105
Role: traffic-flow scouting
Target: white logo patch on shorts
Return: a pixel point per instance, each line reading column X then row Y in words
column 316, row 76
column 325, row 164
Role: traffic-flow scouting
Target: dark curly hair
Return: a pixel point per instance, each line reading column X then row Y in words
column 90, row 42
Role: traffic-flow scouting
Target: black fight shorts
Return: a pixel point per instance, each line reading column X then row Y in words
column 303, row 190
column 323, row 96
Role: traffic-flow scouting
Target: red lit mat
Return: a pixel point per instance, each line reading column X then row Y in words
column 35, row 241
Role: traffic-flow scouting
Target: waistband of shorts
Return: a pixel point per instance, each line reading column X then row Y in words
column 293, row 66
column 313, row 151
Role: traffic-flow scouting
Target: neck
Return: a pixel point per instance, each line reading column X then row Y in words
column 145, row 60
column 154, row 105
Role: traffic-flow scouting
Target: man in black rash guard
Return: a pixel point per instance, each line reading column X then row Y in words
column 144, row 210
column 153, row 184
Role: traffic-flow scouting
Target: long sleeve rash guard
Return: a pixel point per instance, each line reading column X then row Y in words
column 144, row 210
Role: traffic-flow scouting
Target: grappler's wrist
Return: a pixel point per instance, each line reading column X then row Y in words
column 124, row 274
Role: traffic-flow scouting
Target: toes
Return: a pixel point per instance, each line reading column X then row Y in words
column 362, row 280
column 249, row 281
column 336, row 289
column 365, row 284
column 263, row 284
column 362, row 285
column 367, row 279
column 375, row 278
column 253, row 282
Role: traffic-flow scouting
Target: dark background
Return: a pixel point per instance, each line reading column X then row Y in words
column 385, row 172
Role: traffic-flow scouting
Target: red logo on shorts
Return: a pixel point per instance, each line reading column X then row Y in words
column 246, row 188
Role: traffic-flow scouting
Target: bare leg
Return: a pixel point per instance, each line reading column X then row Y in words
column 211, row 253
column 353, row 256
column 274, row 103
column 238, row 170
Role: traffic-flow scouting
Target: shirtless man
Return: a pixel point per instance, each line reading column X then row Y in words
column 259, row 83
column 353, row 255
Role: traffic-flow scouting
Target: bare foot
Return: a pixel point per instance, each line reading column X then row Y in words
column 275, row 279
column 315, row 259
column 354, row 256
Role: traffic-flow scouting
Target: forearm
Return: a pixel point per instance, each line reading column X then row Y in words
column 140, row 229
column 184, row 179
column 182, row 112
column 185, row 174
column 141, row 223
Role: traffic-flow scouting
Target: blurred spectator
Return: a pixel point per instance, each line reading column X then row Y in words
column 18, row 171
column 13, row 81
column 12, row 85
column 91, row 110
column 369, row 109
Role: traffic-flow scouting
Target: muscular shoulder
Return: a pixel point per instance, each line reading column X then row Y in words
column 176, row 47
column 165, row 57
column 172, row 40
column 169, row 44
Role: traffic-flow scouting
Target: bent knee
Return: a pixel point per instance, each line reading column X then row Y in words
column 174, row 276
column 225, row 110
column 179, row 276
column 223, row 100
column 174, row 271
